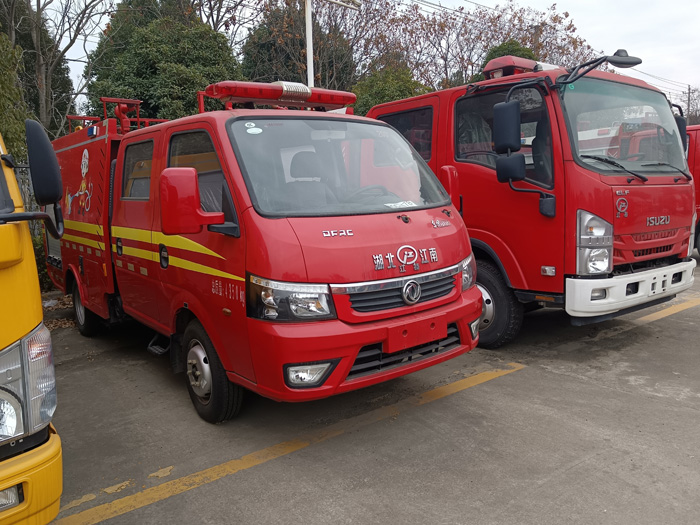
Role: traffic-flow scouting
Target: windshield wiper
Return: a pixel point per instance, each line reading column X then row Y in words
column 612, row 162
column 686, row 175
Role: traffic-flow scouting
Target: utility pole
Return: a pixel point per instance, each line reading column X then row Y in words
column 350, row 4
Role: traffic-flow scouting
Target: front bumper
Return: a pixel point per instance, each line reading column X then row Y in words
column 40, row 472
column 275, row 345
column 627, row 291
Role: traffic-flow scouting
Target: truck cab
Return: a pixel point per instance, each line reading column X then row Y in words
column 572, row 184
column 296, row 253
column 31, row 471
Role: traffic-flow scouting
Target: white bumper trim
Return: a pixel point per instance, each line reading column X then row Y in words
column 653, row 284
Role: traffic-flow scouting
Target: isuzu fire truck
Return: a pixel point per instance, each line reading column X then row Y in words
column 31, row 469
column 573, row 185
column 292, row 252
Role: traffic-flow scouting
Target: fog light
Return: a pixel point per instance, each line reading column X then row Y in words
column 598, row 294
column 474, row 327
column 10, row 497
column 308, row 375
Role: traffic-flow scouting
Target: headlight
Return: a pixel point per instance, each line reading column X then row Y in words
column 468, row 266
column 280, row 301
column 691, row 241
column 594, row 244
column 27, row 385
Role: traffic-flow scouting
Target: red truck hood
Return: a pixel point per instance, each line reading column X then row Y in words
column 651, row 221
column 339, row 250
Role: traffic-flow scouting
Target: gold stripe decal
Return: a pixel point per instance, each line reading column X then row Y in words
column 200, row 268
column 171, row 241
column 176, row 241
column 85, row 227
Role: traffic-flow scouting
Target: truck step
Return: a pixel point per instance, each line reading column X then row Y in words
column 159, row 345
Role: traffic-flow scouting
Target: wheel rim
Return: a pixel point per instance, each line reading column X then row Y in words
column 199, row 371
column 488, row 311
column 79, row 308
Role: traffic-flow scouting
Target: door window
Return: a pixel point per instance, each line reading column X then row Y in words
column 416, row 126
column 138, row 159
column 474, row 130
column 196, row 150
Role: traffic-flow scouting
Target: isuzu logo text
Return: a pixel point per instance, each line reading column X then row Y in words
column 405, row 256
column 659, row 221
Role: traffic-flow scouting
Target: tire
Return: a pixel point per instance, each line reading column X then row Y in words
column 215, row 398
column 88, row 322
column 502, row 315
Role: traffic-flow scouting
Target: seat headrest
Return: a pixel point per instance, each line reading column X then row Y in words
column 305, row 165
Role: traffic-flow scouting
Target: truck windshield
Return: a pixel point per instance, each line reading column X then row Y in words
column 631, row 126
column 322, row 167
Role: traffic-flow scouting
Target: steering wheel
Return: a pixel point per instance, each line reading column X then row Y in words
column 367, row 189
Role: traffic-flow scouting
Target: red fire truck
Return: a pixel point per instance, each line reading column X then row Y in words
column 572, row 183
column 297, row 253
column 693, row 154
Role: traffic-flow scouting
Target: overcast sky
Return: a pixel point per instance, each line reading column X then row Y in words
column 664, row 34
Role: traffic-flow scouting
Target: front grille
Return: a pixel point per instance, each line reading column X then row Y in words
column 640, row 266
column 371, row 359
column 376, row 300
column 653, row 251
column 651, row 236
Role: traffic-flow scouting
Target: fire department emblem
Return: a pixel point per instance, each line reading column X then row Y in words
column 622, row 206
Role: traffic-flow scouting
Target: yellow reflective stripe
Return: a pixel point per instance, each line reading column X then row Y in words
column 82, row 240
column 86, row 227
column 132, row 234
column 137, row 252
column 176, row 241
column 200, row 268
column 171, row 241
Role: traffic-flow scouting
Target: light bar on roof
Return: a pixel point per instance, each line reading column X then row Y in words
column 279, row 93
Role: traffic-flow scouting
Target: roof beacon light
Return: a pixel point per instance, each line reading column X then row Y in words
column 508, row 65
column 279, row 94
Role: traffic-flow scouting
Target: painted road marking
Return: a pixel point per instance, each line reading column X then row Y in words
column 668, row 311
column 178, row 486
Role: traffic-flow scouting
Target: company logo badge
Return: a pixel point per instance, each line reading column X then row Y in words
column 411, row 292
column 659, row 221
column 407, row 254
column 622, row 205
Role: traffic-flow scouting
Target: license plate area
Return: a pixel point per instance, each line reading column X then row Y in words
column 408, row 335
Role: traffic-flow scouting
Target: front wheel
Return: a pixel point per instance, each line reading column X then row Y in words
column 88, row 323
column 502, row 314
column 215, row 398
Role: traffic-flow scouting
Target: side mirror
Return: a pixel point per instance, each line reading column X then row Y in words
column 509, row 169
column 180, row 208
column 683, row 130
column 506, row 126
column 46, row 175
column 449, row 179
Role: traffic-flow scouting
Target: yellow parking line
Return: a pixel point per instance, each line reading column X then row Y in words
column 668, row 311
column 178, row 486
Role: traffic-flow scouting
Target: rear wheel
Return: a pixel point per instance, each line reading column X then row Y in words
column 502, row 314
column 88, row 323
column 215, row 398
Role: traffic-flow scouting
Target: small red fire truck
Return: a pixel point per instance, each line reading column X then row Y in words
column 573, row 185
column 297, row 253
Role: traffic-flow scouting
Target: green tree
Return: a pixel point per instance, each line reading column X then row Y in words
column 58, row 94
column 387, row 84
column 13, row 110
column 163, row 63
column 510, row 47
column 276, row 49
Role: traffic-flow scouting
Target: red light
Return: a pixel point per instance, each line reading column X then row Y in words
column 282, row 93
column 509, row 65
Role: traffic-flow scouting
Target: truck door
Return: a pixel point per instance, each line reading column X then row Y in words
column 529, row 245
column 135, row 258
column 207, row 269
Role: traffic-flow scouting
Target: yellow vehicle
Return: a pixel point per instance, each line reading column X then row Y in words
column 31, row 468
